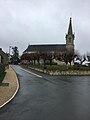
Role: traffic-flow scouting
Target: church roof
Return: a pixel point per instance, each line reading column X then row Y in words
column 46, row 47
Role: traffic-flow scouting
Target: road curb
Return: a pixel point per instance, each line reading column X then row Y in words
column 14, row 92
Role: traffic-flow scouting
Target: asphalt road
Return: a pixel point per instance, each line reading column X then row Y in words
column 44, row 97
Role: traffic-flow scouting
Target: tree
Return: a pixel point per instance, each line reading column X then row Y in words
column 15, row 57
column 65, row 58
column 68, row 57
column 88, row 56
column 47, row 56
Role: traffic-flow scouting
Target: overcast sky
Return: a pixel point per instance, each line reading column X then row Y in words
column 24, row 22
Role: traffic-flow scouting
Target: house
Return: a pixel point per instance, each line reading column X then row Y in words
column 3, row 57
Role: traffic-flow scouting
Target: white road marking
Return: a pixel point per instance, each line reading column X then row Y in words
column 32, row 73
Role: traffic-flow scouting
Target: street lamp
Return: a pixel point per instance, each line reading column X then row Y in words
column 9, row 52
column 10, row 49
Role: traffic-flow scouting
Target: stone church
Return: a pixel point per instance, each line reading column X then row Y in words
column 55, row 48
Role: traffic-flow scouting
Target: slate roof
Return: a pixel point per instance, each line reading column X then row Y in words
column 46, row 47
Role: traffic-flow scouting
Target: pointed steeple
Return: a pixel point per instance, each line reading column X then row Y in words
column 70, row 32
column 70, row 37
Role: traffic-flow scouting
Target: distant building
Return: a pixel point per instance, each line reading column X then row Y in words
column 3, row 57
column 69, row 46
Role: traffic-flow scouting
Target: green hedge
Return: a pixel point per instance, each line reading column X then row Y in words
column 2, row 72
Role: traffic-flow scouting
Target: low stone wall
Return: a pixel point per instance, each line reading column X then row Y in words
column 70, row 73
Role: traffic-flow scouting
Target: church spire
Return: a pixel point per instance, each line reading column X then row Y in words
column 70, row 38
column 70, row 32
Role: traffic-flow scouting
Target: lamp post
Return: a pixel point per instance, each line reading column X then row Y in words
column 9, row 52
column 9, row 49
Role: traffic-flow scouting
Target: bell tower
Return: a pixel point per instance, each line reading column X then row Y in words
column 70, row 38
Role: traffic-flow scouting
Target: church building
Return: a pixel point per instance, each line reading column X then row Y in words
column 54, row 48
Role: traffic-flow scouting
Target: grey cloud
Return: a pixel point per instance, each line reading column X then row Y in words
column 24, row 22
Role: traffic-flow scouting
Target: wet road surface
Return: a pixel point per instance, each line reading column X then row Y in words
column 44, row 97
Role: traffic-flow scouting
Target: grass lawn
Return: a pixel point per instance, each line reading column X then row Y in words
column 50, row 67
column 59, row 67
